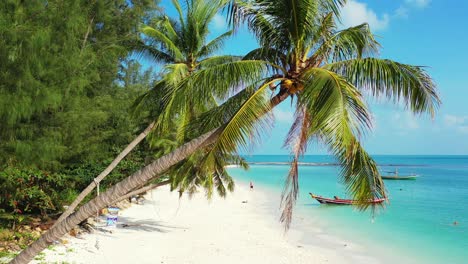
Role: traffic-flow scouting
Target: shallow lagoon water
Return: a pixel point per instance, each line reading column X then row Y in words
column 417, row 226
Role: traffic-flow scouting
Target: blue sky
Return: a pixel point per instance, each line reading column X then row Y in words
column 432, row 33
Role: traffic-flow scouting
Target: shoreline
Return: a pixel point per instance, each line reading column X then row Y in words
column 390, row 235
column 310, row 232
column 168, row 230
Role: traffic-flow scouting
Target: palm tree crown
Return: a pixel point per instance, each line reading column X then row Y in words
column 181, row 44
column 327, row 71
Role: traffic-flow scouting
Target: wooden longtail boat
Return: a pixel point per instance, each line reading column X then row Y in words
column 396, row 176
column 399, row 177
column 339, row 201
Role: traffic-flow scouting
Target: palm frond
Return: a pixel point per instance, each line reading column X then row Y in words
column 151, row 53
column 324, row 30
column 211, row 174
column 268, row 54
column 332, row 6
column 396, row 81
column 243, row 128
column 353, row 42
column 223, row 79
column 176, row 4
column 282, row 24
column 261, row 22
column 183, row 119
column 338, row 116
column 169, row 45
column 221, row 114
column 249, row 120
column 332, row 94
column 217, row 60
column 173, row 73
column 296, row 140
column 214, row 45
column 168, row 26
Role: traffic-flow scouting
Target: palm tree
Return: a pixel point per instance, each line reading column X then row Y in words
column 183, row 46
column 326, row 72
column 301, row 56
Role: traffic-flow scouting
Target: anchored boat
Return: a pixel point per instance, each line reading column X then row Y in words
column 400, row 177
column 396, row 176
column 340, row 201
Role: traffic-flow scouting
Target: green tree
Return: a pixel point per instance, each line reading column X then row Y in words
column 303, row 56
column 181, row 44
column 61, row 105
column 59, row 63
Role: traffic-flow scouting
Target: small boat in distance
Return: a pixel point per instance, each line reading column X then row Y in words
column 396, row 176
column 340, row 201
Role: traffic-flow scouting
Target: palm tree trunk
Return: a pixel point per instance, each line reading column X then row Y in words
column 142, row 190
column 104, row 173
column 122, row 188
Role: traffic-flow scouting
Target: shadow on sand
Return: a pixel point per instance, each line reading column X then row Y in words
column 149, row 225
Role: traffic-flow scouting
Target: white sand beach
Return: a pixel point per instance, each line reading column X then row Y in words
column 239, row 229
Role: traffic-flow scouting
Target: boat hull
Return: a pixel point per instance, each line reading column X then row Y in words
column 324, row 200
column 392, row 177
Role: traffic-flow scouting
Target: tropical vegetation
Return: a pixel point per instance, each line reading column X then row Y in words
column 183, row 48
column 205, row 109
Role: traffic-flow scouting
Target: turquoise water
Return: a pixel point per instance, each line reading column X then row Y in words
column 416, row 227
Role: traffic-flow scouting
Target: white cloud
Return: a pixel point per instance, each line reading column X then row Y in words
column 355, row 13
column 219, row 22
column 402, row 12
column 459, row 123
column 418, row 3
column 283, row 116
column 453, row 120
column 405, row 121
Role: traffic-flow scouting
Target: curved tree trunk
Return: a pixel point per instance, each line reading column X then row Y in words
column 124, row 187
column 142, row 190
column 104, row 173
column 120, row 189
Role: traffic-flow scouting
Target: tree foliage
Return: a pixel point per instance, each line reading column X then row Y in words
column 182, row 44
column 326, row 72
column 67, row 82
column 59, row 100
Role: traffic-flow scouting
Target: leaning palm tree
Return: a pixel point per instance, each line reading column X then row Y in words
column 327, row 73
column 181, row 44
column 302, row 56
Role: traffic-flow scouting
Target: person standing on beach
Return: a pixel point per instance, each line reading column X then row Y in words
column 251, row 185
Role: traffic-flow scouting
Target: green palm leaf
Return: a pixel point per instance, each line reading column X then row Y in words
column 297, row 140
column 268, row 54
column 163, row 39
column 215, row 44
column 397, row 81
column 176, row 4
column 217, row 60
column 242, row 130
column 331, row 109
column 247, row 123
column 353, row 42
column 153, row 54
column 225, row 78
column 339, row 116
